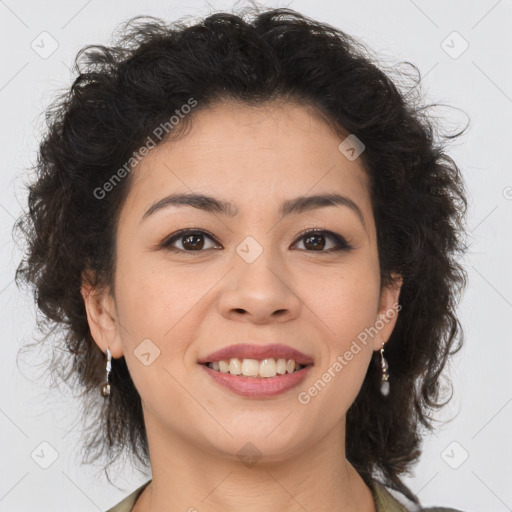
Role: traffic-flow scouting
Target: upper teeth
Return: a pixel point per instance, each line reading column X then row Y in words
column 254, row 368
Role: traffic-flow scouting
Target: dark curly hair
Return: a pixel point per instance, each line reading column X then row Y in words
column 124, row 91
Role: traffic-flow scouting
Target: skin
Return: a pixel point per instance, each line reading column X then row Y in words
column 192, row 303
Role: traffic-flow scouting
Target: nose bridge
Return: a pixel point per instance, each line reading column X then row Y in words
column 258, row 265
column 263, row 273
column 259, row 283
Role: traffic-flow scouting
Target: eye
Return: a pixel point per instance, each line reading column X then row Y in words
column 315, row 240
column 193, row 240
column 190, row 240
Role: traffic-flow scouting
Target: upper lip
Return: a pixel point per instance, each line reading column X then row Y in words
column 250, row 351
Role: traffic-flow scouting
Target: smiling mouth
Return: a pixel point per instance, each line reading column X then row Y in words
column 265, row 368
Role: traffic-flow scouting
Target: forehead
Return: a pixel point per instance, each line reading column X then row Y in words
column 252, row 156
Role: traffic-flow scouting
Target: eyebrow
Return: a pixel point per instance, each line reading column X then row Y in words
column 291, row 206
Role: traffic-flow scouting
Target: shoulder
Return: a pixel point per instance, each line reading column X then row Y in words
column 127, row 503
column 385, row 501
column 388, row 501
column 440, row 509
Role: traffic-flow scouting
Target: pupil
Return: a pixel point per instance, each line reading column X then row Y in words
column 320, row 245
column 194, row 242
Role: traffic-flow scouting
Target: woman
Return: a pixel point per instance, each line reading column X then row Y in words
column 250, row 234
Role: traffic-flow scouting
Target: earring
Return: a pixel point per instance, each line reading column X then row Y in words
column 384, row 385
column 105, row 387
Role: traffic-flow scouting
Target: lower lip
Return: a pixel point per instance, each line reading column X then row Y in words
column 254, row 387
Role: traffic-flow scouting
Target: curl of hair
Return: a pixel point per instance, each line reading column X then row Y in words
column 124, row 91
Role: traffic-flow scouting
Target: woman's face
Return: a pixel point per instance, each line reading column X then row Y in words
column 247, row 274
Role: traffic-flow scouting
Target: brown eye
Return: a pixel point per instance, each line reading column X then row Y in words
column 190, row 241
column 193, row 242
column 315, row 240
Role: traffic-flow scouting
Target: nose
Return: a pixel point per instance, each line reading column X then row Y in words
column 259, row 292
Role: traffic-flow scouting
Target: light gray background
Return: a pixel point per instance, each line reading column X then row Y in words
column 478, row 82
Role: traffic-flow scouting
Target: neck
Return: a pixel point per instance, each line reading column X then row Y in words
column 188, row 477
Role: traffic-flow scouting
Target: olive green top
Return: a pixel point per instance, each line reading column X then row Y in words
column 384, row 501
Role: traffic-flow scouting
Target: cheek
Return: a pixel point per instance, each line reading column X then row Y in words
column 153, row 298
column 345, row 308
column 157, row 314
column 345, row 301
column 161, row 310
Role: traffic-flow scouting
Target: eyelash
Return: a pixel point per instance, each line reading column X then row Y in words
column 343, row 245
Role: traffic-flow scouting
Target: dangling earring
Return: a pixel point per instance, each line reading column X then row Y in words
column 105, row 387
column 384, row 385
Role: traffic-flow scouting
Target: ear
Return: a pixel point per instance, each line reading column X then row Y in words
column 101, row 316
column 388, row 311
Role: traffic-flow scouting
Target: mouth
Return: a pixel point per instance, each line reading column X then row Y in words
column 256, row 371
column 254, row 368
